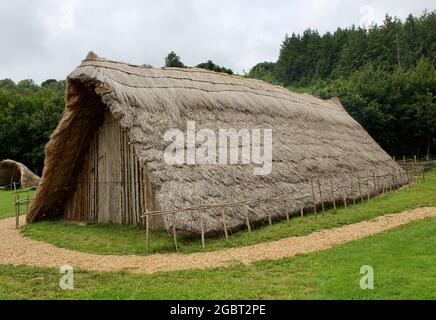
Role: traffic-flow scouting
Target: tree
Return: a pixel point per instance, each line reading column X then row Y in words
column 28, row 115
column 173, row 61
column 209, row 65
column 264, row 71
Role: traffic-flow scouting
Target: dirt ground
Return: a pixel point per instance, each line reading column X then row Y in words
column 16, row 249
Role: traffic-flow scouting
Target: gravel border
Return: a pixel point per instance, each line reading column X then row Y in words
column 16, row 249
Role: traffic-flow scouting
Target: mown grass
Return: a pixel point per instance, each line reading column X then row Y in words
column 7, row 199
column 122, row 240
column 404, row 262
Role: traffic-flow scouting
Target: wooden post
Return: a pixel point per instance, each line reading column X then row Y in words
column 17, row 212
column 287, row 211
column 404, row 159
column 344, row 196
column 147, row 232
column 302, row 211
column 269, row 216
column 375, row 184
column 368, row 192
column 203, row 242
column 27, row 204
column 313, row 197
column 223, row 217
column 333, row 194
column 247, row 218
column 360, row 188
column 175, row 236
column 393, row 181
column 321, row 196
column 352, row 191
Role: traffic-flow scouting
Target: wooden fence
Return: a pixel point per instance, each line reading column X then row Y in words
column 365, row 188
column 18, row 204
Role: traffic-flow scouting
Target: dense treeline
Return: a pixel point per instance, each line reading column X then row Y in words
column 28, row 115
column 384, row 75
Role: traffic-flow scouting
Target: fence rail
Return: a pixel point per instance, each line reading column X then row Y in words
column 18, row 204
column 374, row 185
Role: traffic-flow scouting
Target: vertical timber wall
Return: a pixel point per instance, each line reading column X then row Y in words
column 113, row 186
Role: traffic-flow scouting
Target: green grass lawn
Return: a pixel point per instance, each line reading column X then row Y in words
column 404, row 261
column 122, row 240
column 7, row 198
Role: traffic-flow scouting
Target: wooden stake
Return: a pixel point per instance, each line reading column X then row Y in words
column 368, row 192
column 313, row 197
column 17, row 212
column 269, row 216
column 352, row 191
column 360, row 188
column 287, row 211
column 320, row 196
column 175, row 236
column 203, row 242
column 378, row 185
column 394, row 181
column 147, row 232
column 375, row 184
column 302, row 211
column 333, row 194
column 247, row 218
column 344, row 197
column 223, row 217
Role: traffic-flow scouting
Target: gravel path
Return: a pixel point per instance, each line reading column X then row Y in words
column 18, row 250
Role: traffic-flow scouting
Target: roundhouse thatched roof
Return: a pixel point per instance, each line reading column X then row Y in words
column 15, row 172
column 312, row 138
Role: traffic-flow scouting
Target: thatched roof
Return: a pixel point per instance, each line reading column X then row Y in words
column 312, row 138
column 15, row 172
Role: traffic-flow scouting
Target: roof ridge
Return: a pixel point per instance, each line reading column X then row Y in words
column 96, row 58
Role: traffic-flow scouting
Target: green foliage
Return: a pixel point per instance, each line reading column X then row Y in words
column 263, row 71
column 397, row 108
column 121, row 240
column 28, row 115
column 209, row 65
column 172, row 60
column 384, row 76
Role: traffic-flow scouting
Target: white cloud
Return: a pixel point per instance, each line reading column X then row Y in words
column 48, row 38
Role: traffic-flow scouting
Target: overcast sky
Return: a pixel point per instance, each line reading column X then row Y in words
column 48, row 38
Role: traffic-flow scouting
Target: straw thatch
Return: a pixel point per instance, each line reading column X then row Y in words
column 12, row 172
column 312, row 138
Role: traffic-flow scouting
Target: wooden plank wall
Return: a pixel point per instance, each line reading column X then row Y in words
column 113, row 186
